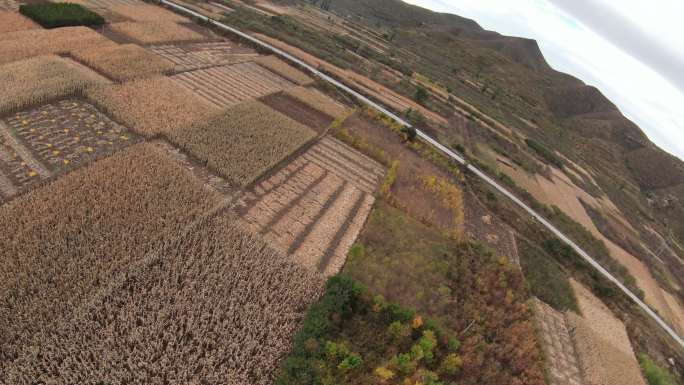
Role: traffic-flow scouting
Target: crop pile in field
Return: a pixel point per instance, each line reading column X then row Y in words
column 317, row 100
column 54, row 15
column 12, row 21
column 218, row 306
column 69, row 239
column 24, row 44
column 285, row 70
column 40, row 79
column 156, row 32
column 314, row 207
column 244, row 142
column 124, row 62
column 144, row 12
column 151, row 106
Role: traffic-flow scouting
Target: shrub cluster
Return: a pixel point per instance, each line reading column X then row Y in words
column 124, row 62
column 41, row 79
column 331, row 346
column 545, row 153
column 151, row 106
column 283, row 69
column 244, row 142
column 64, row 242
column 54, row 15
column 218, row 306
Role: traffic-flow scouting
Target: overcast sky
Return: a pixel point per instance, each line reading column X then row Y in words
column 632, row 50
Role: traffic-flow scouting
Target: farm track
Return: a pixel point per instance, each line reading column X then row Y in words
column 441, row 148
column 313, row 209
column 194, row 56
column 226, row 86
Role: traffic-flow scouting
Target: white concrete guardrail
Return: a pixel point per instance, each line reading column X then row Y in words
column 447, row 151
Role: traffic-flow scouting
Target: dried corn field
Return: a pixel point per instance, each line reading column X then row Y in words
column 9, row 5
column 244, row 142
column 54, row 138
column 146, row 13
column 124, row 62
column 70, row 239
column 317, row 100
column 25, row 44
column 194, row 56
column 217, row 306
column 151, row 106
column 285, row 70
column 12, row 21
column 158, row 32
column 41, row 79
column 227, row 86
column 314, row 208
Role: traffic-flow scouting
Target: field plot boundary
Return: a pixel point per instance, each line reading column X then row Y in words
column 442, row 149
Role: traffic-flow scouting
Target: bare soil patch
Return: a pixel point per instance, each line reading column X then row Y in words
column 298, row 111
column 605, row 352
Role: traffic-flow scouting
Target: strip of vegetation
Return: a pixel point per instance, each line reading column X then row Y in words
column 546, row 278
column 54, row 15
column 655, row 374
column 352, row 337
column 545, row 153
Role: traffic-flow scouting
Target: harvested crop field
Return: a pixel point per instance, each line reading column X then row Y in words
column 124, row 62
column 25, row 44
column 314, row 207
column 41, row 79
column 151, row 106
column 147, row 13
column 70, row 239
column 317, row 100
column 227, row 86
column 243, row 143
column 53, row 138
column 217, row 306
column 156, row 32
column 298, row 111
column 12, row 21
column 193, row 56
column 285, row 70
column 605, row 352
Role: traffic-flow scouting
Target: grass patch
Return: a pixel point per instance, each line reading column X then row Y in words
column 55, row 15
column 545, row 153
column 546, row 278
column 655, row 374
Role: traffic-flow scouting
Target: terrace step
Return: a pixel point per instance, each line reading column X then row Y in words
column 23, row 152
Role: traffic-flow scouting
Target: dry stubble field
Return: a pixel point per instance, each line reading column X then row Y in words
column 193, row 56
column 314, row 207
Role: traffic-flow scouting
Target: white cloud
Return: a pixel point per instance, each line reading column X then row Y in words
column 641, row 94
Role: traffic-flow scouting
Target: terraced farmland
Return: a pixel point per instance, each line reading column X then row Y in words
column 9, row 5
column 53, row 138
column 314, row 207
column 227, row 86
column 195, row 56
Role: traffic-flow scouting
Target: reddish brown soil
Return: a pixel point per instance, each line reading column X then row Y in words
column 298, row 111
